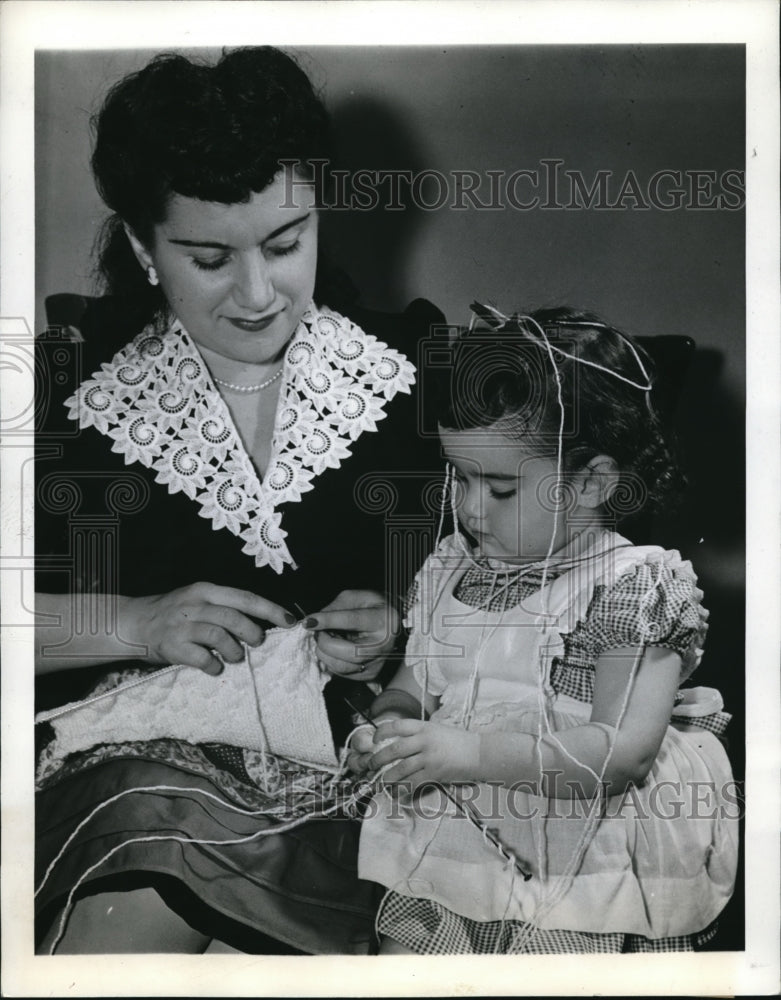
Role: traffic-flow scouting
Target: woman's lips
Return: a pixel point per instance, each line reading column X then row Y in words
column 252, row 325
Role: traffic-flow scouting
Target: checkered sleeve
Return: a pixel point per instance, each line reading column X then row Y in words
column 654, row 604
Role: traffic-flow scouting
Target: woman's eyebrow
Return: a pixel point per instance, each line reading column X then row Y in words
column 213, row 245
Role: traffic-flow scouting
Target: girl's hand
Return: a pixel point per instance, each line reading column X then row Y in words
column 361, row 749
column 190, row 625
column 426, row 752
column 355, row 632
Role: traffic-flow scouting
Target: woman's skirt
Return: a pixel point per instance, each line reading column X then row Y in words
column 163, row 813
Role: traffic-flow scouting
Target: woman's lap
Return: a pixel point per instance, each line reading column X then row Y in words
column 299, row 888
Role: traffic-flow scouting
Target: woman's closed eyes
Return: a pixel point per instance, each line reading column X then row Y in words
column 216, row 263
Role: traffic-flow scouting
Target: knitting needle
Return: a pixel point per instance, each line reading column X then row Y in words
column 463, row 808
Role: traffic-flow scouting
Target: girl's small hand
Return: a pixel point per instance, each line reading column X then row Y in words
column 361, row 750
column 426, row 752
column 355, row 632
column 193, row 623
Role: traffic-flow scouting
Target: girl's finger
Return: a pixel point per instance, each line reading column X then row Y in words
column 403, row 772
column 363, row 740
column 398, row 750
column 404, row 727
column 384, row 732
column 360, row 763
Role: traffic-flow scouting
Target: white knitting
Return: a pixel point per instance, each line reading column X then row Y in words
column 271, row 700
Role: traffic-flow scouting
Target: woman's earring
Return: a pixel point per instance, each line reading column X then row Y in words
column 151, row 276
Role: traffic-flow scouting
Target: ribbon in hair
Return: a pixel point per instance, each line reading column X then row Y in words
column 527, row 325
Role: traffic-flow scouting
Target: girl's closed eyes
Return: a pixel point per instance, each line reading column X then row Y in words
column 501, row 494
column 495, row 492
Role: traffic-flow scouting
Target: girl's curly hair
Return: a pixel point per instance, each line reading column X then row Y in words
column 505, row 376
column 213, row 132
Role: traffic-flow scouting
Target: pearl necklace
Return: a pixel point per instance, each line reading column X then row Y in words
column 249, row 388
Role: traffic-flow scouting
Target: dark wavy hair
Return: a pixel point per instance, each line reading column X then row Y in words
column 213, row 132
column 505, row 376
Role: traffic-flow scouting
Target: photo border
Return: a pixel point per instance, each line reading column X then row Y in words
column 25, row 26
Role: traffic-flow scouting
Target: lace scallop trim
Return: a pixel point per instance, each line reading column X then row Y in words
column 158, row 403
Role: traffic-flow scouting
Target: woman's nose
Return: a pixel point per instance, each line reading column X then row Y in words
column 254, row 285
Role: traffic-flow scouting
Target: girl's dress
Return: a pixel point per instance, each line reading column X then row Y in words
column 147, row 488
column 504, row 650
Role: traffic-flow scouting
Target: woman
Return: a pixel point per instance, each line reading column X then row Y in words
column 238, row 426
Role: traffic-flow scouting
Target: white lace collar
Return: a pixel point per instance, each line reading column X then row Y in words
column 159, row 404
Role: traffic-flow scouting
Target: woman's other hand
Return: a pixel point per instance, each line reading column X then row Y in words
column 194, row 623
column 355, row 633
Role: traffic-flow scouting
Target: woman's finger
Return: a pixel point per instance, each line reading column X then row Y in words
column 369, row 671
column 347, row 599
column 340, row 668
column 244, row 601
column 374, row 622
column 233, row 621
column 213, row 637
column 192, row 655
column 347, row 655
column 355, row 671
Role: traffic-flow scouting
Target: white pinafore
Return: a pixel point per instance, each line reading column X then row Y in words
column 660, row 860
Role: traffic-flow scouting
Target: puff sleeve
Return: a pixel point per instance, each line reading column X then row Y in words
column 655, row 603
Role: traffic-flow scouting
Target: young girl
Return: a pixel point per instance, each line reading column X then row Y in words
column 548, row 786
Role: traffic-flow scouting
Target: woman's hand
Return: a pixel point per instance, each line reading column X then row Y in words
column 425, row 752
column 190, row 625
column 355, row 633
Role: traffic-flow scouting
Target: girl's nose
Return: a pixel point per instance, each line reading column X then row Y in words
column 254, row 285
column 472, row 506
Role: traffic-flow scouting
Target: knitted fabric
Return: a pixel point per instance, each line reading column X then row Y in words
column 271, row 700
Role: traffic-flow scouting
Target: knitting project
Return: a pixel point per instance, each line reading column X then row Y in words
column 272, row 700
